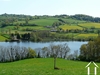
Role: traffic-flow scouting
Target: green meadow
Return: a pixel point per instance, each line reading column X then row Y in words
column 44, row 66
column 86, row 35
column 89, row 25
column 43, row 22
column 2, row 38
column 70, row 27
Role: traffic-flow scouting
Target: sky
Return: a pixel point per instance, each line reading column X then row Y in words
column 50, row 7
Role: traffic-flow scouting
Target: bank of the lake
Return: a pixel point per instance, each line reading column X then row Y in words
column 73, row 45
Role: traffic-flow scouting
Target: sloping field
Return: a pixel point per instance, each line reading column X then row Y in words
column 89, row 25
column 43, row 22
column 86, row 35
column 2, row 38
column 34, row 27
column 69, row 27
column 44, row 66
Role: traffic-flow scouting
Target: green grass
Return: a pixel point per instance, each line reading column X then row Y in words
column 85, row 36
column 33, row 27
column 43, row 22
column 89, row 25
column 2, row 38
column 44, row 66
column 70, row 27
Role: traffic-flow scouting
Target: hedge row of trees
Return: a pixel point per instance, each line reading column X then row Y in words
column 85, row 18
column 14, row 53
column 46, row 36
column 60, row 50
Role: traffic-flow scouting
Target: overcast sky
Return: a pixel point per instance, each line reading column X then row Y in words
column 51, row 7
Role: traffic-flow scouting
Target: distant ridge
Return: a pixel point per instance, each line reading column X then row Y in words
column 81, row 17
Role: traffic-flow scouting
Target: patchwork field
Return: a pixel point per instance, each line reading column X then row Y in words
column 69, row 27
column 89, row 25
column 2, row 38
column 85, row 36
column 43, row 22
column 44, row 66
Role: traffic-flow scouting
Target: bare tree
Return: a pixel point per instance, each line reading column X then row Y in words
column 75, row 54
column 45, row 52
column 13, row 53
column 66, row 50
column 59, row 51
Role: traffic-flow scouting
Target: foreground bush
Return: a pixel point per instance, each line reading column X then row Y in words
column 13, row 53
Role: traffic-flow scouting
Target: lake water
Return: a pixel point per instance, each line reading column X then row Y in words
column 73, row 45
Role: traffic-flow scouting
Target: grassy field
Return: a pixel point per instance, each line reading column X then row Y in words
column 44, row 66
column 69, row 27
column 34, row 28
column 89, row 25
column 43, row 22
column 2, row 38
column 86, row 35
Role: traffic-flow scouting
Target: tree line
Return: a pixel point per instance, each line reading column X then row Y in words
column 15, row 53
column 91, row 51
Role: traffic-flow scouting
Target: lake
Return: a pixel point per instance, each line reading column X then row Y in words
column 73, row 45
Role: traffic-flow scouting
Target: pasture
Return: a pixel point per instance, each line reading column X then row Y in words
column 2, row 38
column 44, row 66
column 86, row 36
column 40, row 22
column 70, row 27
column 89, row 25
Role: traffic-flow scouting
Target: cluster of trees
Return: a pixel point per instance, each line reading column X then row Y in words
column 58, row 23
column 90, row 51
column 80, row 17
column 85, row 18
column 17, row 36
column 35, row 36
column 14, row 53
column 60, row 50
column 12, row 19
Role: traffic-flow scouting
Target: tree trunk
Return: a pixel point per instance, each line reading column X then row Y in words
column 54, row 62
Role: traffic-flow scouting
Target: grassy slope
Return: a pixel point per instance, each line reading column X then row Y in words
column 44, row 66
column 49, row 21
column 2, row 38
column 86, row 35
column 69, row 27
column 89, row 25
column 43, row 22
